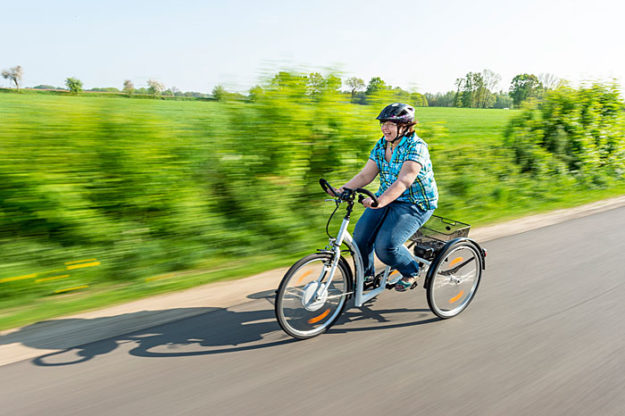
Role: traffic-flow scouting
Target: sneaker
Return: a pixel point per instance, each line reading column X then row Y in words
column 406, row 283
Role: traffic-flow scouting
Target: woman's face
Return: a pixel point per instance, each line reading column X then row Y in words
column 389, row 129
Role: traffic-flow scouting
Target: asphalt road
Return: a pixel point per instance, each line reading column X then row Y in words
column 545, row 335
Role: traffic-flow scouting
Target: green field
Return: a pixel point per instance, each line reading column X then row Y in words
column 106, row 199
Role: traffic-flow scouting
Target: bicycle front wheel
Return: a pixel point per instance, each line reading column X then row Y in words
column 306, row 303
column 454, row 281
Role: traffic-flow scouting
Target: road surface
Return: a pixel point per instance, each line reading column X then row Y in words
column 545, row 335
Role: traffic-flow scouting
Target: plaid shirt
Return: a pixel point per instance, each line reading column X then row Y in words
column 423, row 191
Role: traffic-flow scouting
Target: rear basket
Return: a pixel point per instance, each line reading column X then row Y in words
column 440, row 229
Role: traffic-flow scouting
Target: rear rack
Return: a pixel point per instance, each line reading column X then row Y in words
column 432, row 236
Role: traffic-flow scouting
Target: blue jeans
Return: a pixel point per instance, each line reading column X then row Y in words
column 385, row 231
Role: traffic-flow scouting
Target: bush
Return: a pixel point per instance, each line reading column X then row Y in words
column 578, row 132
column 151, row 186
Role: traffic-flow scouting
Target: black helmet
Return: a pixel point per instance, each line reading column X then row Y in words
column 398, row 113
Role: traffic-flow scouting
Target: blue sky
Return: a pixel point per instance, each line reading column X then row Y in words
column 419, row 45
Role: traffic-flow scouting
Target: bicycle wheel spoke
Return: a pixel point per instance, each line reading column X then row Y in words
column 295, row 291
column 455, row 281
column 305, row 307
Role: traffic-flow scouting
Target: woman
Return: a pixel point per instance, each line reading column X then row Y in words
column 407, row 195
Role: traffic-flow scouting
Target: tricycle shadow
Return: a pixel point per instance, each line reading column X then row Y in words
column 209, row 331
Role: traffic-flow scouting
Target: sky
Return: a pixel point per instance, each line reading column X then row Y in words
column 417, row 45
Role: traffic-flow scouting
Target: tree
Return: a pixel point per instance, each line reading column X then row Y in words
column 14, row 75
column 129, row 87
column 255, row 93
column 440, row 99
column 480, row 92
column 74, row 85
column 502, row 100
column 155, row 88
column 44, row 87
column 459, row 87
column 491, row 79
column 470, row 90
column 315, row 83
column 549, row 81
column 289, row 81
column 375, row 84
column 524, row 86
column 104, row 89
column 219, row 93
column 355, row 85
column 333, row 83
column 475, row 89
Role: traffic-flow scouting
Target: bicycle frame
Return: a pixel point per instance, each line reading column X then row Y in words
column 360, row 297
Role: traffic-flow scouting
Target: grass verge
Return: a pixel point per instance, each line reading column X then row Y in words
column 24, row 311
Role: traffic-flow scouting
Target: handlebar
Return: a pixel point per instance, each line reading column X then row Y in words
column 326, row 187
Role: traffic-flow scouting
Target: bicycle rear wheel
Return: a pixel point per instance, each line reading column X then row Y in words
column 454, row 279
column 306, row 305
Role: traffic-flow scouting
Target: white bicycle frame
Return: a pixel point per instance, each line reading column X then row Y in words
column 360, row 298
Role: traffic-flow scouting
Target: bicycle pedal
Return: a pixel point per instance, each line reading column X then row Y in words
column 415, row 284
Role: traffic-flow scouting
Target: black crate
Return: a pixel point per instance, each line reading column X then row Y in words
column 440, row 229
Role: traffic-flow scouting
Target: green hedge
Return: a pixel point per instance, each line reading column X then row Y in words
column 142, row 187
column 578, row 133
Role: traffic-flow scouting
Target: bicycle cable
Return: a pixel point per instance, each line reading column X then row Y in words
column 330, row 219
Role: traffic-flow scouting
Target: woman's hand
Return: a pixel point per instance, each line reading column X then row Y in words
column 337, row 191
column 367, row 203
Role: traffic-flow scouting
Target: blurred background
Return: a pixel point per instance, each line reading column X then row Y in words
column 115, row 184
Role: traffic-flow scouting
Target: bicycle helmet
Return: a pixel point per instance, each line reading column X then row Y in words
column 398, row 113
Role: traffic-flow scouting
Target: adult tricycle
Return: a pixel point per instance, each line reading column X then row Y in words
column 314, row 291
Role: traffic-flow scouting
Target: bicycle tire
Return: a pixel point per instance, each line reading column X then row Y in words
column 298, row 314
column 454, row 278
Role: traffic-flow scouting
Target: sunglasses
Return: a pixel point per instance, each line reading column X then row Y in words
column 387, row 124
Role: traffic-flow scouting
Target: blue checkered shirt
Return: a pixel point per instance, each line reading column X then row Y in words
column 423, row 191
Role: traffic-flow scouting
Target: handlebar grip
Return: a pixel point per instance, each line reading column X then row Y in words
column 369, row 194
column 326, row 186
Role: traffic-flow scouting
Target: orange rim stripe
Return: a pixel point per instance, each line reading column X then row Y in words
column 302, row 277
column 455, row 261
column 458, row 296
column 320, row 317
